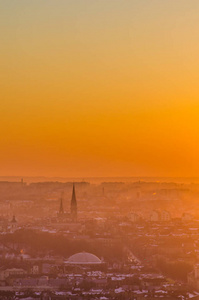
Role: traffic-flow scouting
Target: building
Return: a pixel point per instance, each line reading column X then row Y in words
column 165, row 216
column 13, row 224
column 11, row 272
column 64, row 216
column 186, row 217
column 84, row 258
column 61, row 214
column 73, row 206
column 193, row 277
column 155, row 216
column 133, row 217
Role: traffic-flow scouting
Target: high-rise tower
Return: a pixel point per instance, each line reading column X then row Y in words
column 73, row 207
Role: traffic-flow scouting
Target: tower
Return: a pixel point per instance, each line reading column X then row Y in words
column 61, row 207
column 13, row 224
column 73, row 207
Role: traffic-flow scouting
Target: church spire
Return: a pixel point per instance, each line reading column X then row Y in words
column 73, row 206
column 61, row 207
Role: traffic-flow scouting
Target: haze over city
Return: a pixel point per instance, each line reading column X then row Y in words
column 99, row 165
column 99, row 88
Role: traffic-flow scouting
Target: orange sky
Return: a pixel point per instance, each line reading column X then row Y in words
column 99, row 88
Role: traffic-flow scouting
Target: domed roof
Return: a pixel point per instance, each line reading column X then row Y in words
column 84, row 258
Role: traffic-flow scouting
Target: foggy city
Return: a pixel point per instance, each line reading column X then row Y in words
column 99, row 150
column 117, row 239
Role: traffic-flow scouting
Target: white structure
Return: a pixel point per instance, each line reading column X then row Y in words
column 11, row 272
column 84, row 258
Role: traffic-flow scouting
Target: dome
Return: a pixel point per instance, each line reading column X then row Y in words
column 83, row 258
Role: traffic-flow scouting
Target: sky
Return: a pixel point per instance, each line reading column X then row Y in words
column 99, row 88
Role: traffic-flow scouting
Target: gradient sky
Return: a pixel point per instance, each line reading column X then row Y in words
column 99, row 88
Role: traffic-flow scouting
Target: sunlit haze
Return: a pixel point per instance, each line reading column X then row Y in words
column 99, row 88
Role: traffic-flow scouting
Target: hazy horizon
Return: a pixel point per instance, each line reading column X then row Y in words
column 99, row 164
column 98, row 180
column 94, row 88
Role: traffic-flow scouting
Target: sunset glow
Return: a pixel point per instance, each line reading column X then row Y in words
column 99, row 88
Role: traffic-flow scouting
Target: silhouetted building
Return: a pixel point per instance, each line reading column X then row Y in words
column 73, row 207
column 61, row 208
column 61, row 213
column 13, row 224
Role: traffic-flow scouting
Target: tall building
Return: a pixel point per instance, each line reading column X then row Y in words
column 73, row 207
column 61, row 208
column 13, row 224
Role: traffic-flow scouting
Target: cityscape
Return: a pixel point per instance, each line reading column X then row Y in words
column 108, row 240
column 99, row 150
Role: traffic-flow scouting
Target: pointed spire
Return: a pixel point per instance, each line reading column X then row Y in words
column 61, row 208
column 73, row 200
column 73, row 205
column 13, row 219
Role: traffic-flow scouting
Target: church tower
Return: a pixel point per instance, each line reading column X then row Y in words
column 61, row 207
column 13, row 224
column 73, row 207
